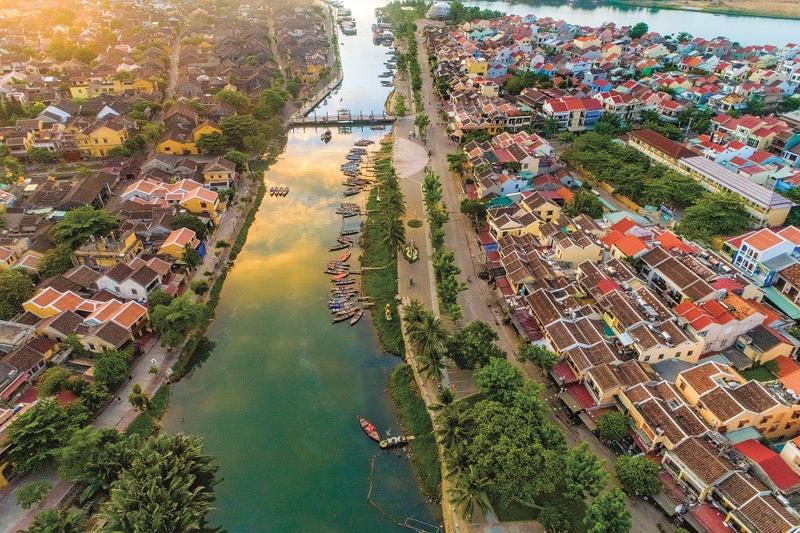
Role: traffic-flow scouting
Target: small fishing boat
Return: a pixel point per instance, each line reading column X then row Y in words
column 344, row 282
column 395, row 442
column 326, row 136
column 369, row 429
column 341, row 317
column 363, row 142
column 354, row 320
column 337, row 247
column 341, row 276
column 345, row 256
column 351, row 192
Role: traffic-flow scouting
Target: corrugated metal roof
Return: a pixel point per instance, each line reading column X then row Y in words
column 750, row 191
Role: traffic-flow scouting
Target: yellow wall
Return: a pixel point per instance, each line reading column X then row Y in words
column 204, row 129
column 101, row 140
column 171, row 146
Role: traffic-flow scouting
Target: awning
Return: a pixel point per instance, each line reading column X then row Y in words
column 625, row 339
column 782, row 302
column 587, row 420
column 16, row 384
column 570, row 402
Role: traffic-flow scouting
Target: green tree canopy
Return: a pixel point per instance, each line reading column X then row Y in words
column 58, row 521
column 714, row 214
column 584, row 203
column 79, row 224
column 167, row 488
column 237, row 100
column 607, row 514
column 111, row 368
column 238, row 158
column 212, row 144
column 538, row 355
column 173, row 322
column 16, row 287
column 612, row 426
column 236, row 127
column 584, row 473
column 474, row 345
column 638, row 475
column 193, row 222
column 32, row 493
column 498, row 381
column 36, row 434
column 638, row 29
column 55, row 261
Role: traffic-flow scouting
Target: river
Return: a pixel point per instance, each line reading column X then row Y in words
column 743, row 29
column 276, row 400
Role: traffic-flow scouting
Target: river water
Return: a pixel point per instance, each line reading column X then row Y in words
column 276, row 400
column 743, row 29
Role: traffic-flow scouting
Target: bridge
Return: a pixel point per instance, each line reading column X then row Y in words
column 343, row 118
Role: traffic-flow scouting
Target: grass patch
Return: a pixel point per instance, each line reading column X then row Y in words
column 414, row 223
column 145, row 423
column 417, row 422
column 759, row 373
column 381, row 284
column 516, row 511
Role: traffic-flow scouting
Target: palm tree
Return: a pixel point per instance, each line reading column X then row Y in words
column 412, row 313
column 431, row 364
column 394, row 234
column 456, row 162
column 468, row 491
column 63, row 521
column 456, row 460
column 451, row 425
column 445, row 397
column 431, row 335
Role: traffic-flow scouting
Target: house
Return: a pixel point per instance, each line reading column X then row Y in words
column 697, row 465
column 769, row 467
column 606, row 381
column 105, row 252
column 720, row 322
column 130, row 281
column 659, row 148
column 219, row 173
column 753, row 252
column 661, row 419
column 573, row 114
column 186, row 193
column 100, row 138
column 177, row 241
column 727, row 402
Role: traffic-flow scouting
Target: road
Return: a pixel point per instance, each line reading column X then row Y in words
column 174, row 62
column 479, row 302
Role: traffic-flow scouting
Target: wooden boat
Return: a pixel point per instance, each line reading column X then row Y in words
column 351, row 192
column 326, row 136
column 354, row 320
column 341, row 317
column 345, row 256
column 344, row 282
column 341, row 276
column 369, row 429
column 337, row 247
column 395, row 442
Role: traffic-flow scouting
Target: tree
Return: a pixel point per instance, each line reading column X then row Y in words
column 13, row 166
column 193, row 222
column 550, row 127
column 199, row 286
column 235, row 99
column 584, row 203
column 538, row 355
column 584, row 474
column 151, row 132
column 638, row 29
column 638, row 476
column 612, row 426
column 79, row 224
column 16, row 287
column 422, row 121
column 55, row 261
column 34, row 492
column 473, row 208
column 270, row 102
column 793, row 194
column 468, row 492
column 714, row 214
column 139, row 399
column 607, row 514
column 173, row 322
column 609, row 124
column 554, row 518
column 498, row 381
column 474, row 345
column 212, row 143
column 158, row 296
column 237, row 158
column 456, row 162
column 111, row 368
column 40, row 155
column 293, row 86
column 393, row 234
column 58, row 521
column 236, row 127
column 52, row 381
column 191, row 257
column 168, row 487
column 400, row 109
column 451, row 425
column 35, row 435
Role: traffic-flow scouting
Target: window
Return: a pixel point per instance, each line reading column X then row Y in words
column 690, row 352
column 133, row 291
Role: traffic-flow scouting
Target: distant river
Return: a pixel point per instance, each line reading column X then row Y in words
column 277, row 400
column 744, row 29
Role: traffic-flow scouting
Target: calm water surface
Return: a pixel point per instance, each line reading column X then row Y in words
column 745, row 30
column 277, row 399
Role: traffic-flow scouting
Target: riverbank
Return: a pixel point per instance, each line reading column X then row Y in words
column 380, row 278
column 416, row 421
column 777, row 9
